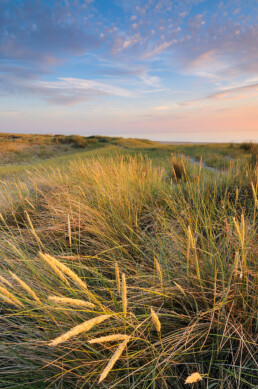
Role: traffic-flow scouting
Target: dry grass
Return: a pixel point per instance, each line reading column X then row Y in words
column 185, row 254
column 155, row 320
column 195, row 377
column 124, row 295
column 84, row 327
column 71, row 301
column 113, row 359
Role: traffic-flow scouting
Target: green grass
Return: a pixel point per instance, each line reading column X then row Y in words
column 184, row 236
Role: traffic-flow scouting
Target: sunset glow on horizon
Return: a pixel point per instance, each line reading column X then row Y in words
column 171, row 70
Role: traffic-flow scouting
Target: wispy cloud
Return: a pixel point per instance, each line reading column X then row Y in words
column 65, row 91
column 240, row 92
column 162, row 108
column 157, row 50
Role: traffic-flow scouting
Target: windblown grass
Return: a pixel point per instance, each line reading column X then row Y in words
column 141, row 281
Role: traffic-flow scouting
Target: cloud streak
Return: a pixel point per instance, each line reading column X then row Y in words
column 65, row 91
column 241, row 92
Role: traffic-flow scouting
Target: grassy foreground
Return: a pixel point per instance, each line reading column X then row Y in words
column 127, row 266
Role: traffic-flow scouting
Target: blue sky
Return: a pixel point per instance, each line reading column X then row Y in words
column 184, row 70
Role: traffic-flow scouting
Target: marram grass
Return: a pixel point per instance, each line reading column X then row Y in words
column 156, row 320
column 124, row 295
column 53, row 262
column 113, row 359
column 27, row 288
column 109, row 338
column 193, row 378
column 151, row 282
column 71, row 301
column 10, row 297
column 84, row 327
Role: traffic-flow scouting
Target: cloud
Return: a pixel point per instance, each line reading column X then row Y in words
column 214, row 44
column 206, row 44
column 221, row 48
column 152, row 81
column 42, row 31
column 139, row 74
column 126, row 44
column 148, row 43
column 234, row 93
column 241, row 92
column 157, row 50
column 65, row 91
column 123, row 71
column 162, row 108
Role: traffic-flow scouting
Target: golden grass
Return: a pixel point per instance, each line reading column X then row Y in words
column 109, row 338
column 124, row 295
column 7, row 300
column 195, row 377
column 64, row 269
column 10, row 296
column 255, row 193
column 71, row 301
column 113, row 359
column 4, row 281
column 139, row 240
column 52, row 263
column 180, row 288
column 155, row 320
column 84, row 327
column 117, row 277
column 159, row 271
column 27, row 288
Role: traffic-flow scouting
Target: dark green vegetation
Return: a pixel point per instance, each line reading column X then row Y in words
column 183, row 235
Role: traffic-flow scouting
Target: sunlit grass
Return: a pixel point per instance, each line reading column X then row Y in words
column 116, row 269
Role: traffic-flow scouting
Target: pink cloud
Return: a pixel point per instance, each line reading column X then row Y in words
column 242, row 92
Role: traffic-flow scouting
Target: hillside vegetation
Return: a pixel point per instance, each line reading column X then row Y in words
column 125, row 263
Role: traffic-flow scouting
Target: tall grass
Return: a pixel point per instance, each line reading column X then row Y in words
column 146, row 280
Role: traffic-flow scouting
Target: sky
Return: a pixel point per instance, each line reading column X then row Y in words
column 171, row 70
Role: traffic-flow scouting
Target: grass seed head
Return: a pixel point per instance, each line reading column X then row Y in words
column 84, row 327
column 113, row 360
column 11, row 296
column 6, row 299
column 52, row 264
column 4, row 281
column 195, row 377
column 117, row 278
column 180, row 288
column 159, row 271
column 66, row 270
column 109, row 338
column 71, row 301
column 155, row 320
column 27, row 288
column 124, row 294
column 255, row 195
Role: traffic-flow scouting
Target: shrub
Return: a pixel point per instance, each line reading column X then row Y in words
column 75, row 140
column 78, row 141
column 61, row 139
column 92, row 141
column 248, row 146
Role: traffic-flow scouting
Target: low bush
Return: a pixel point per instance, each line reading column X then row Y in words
column 248, row 146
